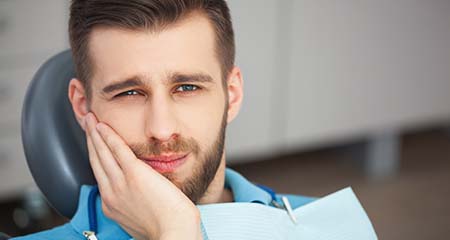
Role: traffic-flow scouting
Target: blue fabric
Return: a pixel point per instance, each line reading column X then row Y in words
column 92, row 211
column 243, row 191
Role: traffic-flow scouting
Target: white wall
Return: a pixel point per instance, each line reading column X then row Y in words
column 337, row 70
column 256, row 30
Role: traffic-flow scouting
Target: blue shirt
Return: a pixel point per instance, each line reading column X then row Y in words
column 243, row 191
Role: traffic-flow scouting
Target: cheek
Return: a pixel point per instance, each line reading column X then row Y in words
column 126, row 122
column 202, row 121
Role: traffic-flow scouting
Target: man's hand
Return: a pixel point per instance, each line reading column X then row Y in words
column 142, row 201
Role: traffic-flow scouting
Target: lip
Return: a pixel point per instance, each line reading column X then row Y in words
column 165, row 163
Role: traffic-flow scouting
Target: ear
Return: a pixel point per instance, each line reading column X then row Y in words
column 235, row 88
column 78, row 99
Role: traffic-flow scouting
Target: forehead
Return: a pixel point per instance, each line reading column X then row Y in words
column 187, row 46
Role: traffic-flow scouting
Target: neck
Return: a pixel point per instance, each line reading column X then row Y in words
column 216, row 191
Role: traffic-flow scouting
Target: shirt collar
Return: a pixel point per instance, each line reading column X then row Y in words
column 245, row 191
column 107, row 228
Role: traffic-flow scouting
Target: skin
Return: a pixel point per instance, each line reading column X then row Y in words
column 157, row 109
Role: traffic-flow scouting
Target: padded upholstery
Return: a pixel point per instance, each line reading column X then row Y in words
column 54, row 143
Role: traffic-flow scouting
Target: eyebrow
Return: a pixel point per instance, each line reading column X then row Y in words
column 130, row 82
column 173, row 78
column 195, row 77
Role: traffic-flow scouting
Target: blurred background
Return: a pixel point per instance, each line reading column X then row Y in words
column 337, row 93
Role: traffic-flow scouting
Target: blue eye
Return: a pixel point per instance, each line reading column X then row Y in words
column 187, row 88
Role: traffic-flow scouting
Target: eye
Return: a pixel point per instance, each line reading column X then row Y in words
column 129, row 93
column 187, row 88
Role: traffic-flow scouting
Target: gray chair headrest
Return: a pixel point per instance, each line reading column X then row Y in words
column 54, row 143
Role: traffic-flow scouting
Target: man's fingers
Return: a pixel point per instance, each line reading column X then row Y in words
column 118, row 147
column 99, row 173
column 106, row 158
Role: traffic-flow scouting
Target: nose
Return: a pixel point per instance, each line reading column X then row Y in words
column 161, row 121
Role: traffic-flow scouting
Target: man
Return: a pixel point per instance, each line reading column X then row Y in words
column 156, row 87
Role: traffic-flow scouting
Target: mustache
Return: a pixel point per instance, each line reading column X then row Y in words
column 156, row 147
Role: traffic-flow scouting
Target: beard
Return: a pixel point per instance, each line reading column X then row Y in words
column 195, row 186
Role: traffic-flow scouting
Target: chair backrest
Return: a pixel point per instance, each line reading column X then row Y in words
column 54, row 143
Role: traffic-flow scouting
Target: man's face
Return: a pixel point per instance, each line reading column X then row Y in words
column 163, row 94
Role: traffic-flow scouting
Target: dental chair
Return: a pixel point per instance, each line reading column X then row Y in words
column 54, row 143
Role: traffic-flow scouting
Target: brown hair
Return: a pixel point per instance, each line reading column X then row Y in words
column 153, row 15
